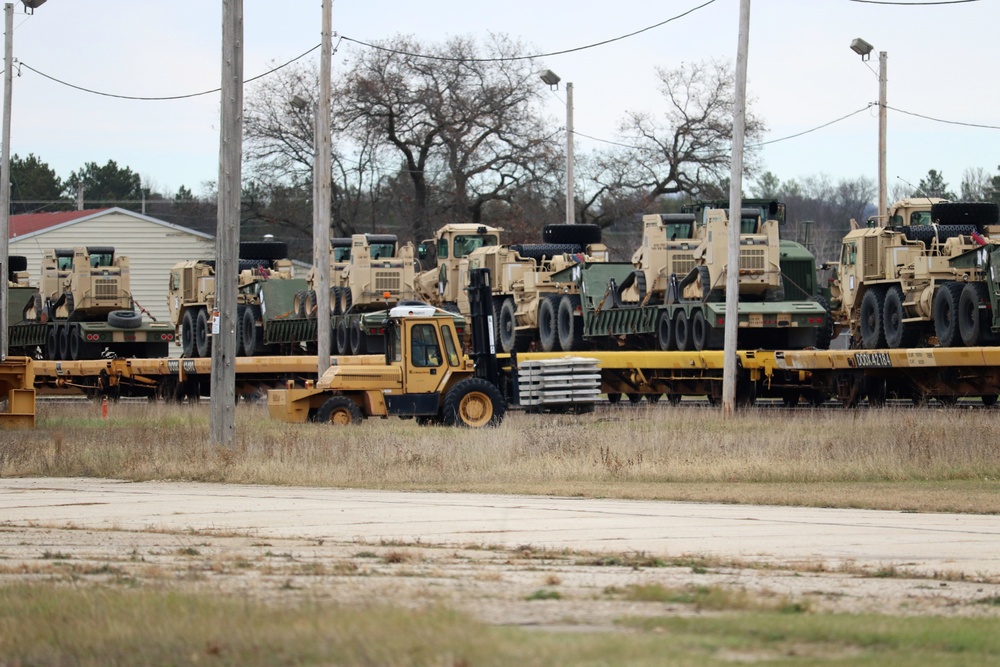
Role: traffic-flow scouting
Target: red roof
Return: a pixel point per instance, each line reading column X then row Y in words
column 29, row 223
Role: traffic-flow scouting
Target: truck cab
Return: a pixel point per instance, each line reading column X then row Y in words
column 451, row 244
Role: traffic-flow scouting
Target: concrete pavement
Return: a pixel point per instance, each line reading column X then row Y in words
column 924, row 543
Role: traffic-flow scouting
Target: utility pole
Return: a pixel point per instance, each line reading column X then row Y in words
column 227, row 238
column 729, row 359
column 570, row 202
column 8, row 79
column 883, row 199
column 321, row 170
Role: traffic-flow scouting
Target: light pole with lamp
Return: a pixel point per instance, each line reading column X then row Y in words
column 864, row 49
column 8, row 80
column 552, row 79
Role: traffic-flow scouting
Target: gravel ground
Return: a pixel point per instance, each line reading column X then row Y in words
column 522, row 586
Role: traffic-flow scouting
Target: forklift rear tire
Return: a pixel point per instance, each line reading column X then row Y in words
column 474, row 403
column 339, row 411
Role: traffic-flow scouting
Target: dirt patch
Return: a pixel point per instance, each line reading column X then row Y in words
column 522, row 586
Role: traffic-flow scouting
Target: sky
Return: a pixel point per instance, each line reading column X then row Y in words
column 801, row 74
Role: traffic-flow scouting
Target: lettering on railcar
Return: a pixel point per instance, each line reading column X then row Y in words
column 872, row 360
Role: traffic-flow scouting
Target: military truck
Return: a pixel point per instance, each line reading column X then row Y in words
column 672, row 295
column 380, row 273
column 442, row 285
column 266, row 292
column 423, row 374
column 84, row 310
column 528, row 304
column 902, row 285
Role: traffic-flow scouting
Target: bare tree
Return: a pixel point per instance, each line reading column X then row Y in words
column 684, row 149
column 977, row 184
column 463, row 119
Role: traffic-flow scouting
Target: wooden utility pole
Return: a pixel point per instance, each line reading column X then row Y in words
column 321, row 171
column 883, row 198
column 227, row 237
column 8, row 78
column 729, row 359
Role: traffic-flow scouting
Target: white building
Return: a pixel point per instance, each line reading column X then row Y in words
column 152, row 246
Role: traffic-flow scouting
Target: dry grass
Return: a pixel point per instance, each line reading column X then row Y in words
column 919, row 460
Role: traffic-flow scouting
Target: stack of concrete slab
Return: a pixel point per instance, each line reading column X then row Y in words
column 553, row 384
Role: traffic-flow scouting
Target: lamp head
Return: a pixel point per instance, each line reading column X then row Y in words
column 298, row 103
column 32, row 5
column 862, row 48
column 550, row 77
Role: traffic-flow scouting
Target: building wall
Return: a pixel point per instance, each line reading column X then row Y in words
column 152, row 248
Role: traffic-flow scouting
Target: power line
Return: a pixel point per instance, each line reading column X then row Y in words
column 912, row 4
column 941, row 120
column 818, row 127
column 167, row 97
column 366, row 44
column 538, row 55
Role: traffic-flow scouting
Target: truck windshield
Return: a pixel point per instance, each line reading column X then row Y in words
column 342, row 254
column 467, row 243
column 382, row 250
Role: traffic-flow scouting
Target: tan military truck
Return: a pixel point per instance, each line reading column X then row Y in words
column 191, row 298
column 86, row 305
column 378, row 274
column 898, row 286
column 528, row 304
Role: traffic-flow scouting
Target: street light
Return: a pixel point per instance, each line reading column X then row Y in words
column 552, row 80
column 864, row 49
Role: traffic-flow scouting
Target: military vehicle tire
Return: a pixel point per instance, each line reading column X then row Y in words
column 665, row 331
column 872, row 325
column 187, row 334
column 346, row 300
column 339, row 411
column 300, row 303
column 64, row 342
column 343, row 337
column 548, row 323
column 543, row 251
column 251, row 335
column 52, row 347
column 75, row 344
column 583, row 235
column 507, row 325
column 569, row 324
column 17, row 262
column 359, row 345
column 898, row 334
column 945, row 314
column 125, row 319
column 263, row 250
column 682, row 331
column 973, row 322
column 965, row 213
column 202, row 333
column 701, row 335
column 473, row 403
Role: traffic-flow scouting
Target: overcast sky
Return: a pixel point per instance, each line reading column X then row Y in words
column 802, row 74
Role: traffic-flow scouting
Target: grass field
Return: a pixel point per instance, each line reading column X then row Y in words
column 63, row 610
column 905, row 459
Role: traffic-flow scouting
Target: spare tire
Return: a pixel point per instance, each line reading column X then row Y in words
column 543, row 251
column 17, row 262
column 263, row 250
column 965, row 213
column 125, row 319
column 579, row 234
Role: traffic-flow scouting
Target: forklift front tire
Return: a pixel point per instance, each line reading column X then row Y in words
column 474, row 403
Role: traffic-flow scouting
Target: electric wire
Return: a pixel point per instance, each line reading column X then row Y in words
column 912, row 4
